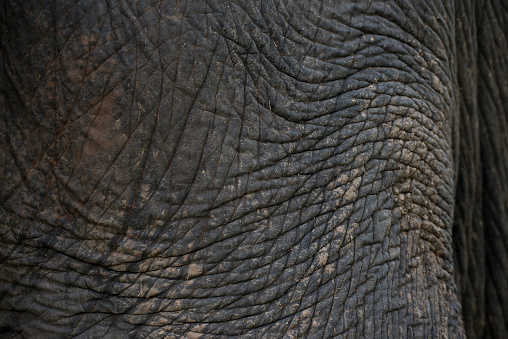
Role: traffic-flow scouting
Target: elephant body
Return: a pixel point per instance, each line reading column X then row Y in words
column 254, row 168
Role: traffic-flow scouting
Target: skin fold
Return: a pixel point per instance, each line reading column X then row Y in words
column 202, row 169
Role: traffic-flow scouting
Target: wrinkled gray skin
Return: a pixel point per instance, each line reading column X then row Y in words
column 255, row 169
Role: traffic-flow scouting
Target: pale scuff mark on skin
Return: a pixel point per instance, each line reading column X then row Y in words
column 194, row 270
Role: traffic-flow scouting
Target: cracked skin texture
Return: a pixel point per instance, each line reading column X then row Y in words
column 204, row 169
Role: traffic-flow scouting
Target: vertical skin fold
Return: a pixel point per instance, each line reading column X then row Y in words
column 481, row 212
column 271, row 168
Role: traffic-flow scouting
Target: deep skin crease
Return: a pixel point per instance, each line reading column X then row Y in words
column 254, row 168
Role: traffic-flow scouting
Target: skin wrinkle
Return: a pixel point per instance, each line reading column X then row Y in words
column 480, row 41
column 278, row 169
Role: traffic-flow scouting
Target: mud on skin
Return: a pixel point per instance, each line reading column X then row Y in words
column 255, row 169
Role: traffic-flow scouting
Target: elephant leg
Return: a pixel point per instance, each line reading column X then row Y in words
column 481, row 213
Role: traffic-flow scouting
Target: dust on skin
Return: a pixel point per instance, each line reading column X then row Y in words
column 194, row 270
column 82, row 66
column 95, row 113
column 196, row 332
column 100, row 136
column 323, row 256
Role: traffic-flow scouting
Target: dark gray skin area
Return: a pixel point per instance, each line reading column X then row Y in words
column 204, row 169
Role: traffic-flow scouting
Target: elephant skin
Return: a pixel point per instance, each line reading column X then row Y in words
column 202, row 169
